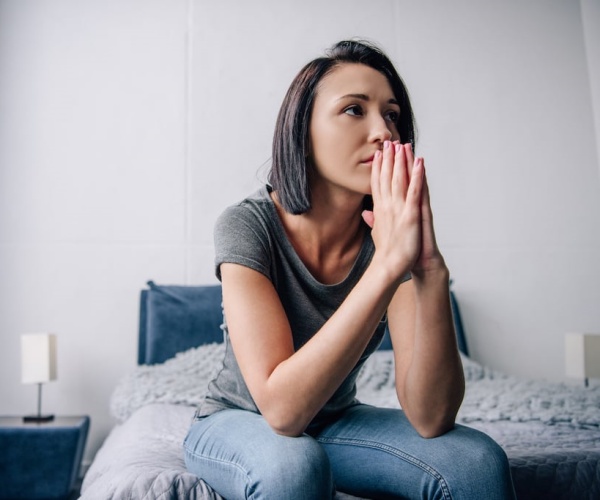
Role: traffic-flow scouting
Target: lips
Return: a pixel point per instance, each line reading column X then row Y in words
column 369, row 159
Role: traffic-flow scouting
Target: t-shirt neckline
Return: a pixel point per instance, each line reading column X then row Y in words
column 291, row 251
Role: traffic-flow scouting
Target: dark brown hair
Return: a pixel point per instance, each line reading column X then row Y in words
column 290, row 170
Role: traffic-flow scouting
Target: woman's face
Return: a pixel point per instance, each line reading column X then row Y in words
column 354, row 112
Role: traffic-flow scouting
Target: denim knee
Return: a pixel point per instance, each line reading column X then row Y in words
column 240, row 456
column 483, row 449
column 484, row 470
column 299, row 469
column 396, row 462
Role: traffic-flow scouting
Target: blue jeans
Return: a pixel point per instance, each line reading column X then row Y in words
column 367, row 452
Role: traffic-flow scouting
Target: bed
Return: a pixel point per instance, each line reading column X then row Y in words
column 550, row 432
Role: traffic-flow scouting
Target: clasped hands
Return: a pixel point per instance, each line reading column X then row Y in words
column 401, row 219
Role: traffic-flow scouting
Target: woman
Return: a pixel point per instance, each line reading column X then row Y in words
column 314, row 267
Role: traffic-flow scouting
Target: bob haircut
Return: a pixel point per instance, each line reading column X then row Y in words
column 291, row 163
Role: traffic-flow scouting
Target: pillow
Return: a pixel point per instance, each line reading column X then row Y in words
column 176, row 318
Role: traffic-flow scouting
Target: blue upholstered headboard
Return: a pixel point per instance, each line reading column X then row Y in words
column 175, row 318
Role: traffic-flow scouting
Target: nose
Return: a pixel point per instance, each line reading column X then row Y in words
column 380, row 130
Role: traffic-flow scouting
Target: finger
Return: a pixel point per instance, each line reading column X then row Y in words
column 376, row 177
column 427, row 214
column 415, row 187
column 400, row 177
column 425, row 201
column 387, row 169
column 410, row 158
column 369, row 218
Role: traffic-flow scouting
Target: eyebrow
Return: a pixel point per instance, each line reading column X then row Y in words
column 365, row 97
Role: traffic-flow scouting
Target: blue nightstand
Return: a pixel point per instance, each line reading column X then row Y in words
column 40, row 460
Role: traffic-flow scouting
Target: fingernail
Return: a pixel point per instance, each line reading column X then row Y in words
column 377, row 153
column 386, row 144
column 398, row 148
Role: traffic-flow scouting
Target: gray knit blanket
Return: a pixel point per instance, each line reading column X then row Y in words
column 490, row 395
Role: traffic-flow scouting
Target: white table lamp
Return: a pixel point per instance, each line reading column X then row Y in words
column 582, row 355
column 38, row 365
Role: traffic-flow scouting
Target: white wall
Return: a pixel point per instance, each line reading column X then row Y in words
column 590, row 15
column 127, row 126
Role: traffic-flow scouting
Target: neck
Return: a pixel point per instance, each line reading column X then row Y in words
column 328, row 237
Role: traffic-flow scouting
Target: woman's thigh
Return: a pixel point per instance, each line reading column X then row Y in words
column 240, row 456
column 376, row 453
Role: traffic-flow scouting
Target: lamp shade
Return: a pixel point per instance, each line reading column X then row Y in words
column 38, row 357
column 582, row 355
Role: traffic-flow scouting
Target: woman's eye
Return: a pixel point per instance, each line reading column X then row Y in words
column 392, row 116
column 353, row 110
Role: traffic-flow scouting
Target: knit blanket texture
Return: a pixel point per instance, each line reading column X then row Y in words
column 490, row 395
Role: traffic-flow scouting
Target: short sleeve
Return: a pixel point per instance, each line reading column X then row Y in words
column 241, row 237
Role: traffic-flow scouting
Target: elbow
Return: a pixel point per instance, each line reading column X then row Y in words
column 432, row 430
column 287, row 431
column 285, row 424
column 431, row 419
column 283, row 415
column 429, row 427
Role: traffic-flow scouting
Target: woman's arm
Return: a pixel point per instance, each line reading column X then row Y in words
column 290, row 387
column 429, row 374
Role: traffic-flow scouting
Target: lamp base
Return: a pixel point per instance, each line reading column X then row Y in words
column 38, row 418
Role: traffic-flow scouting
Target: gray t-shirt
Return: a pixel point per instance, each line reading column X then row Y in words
column 250, row 233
